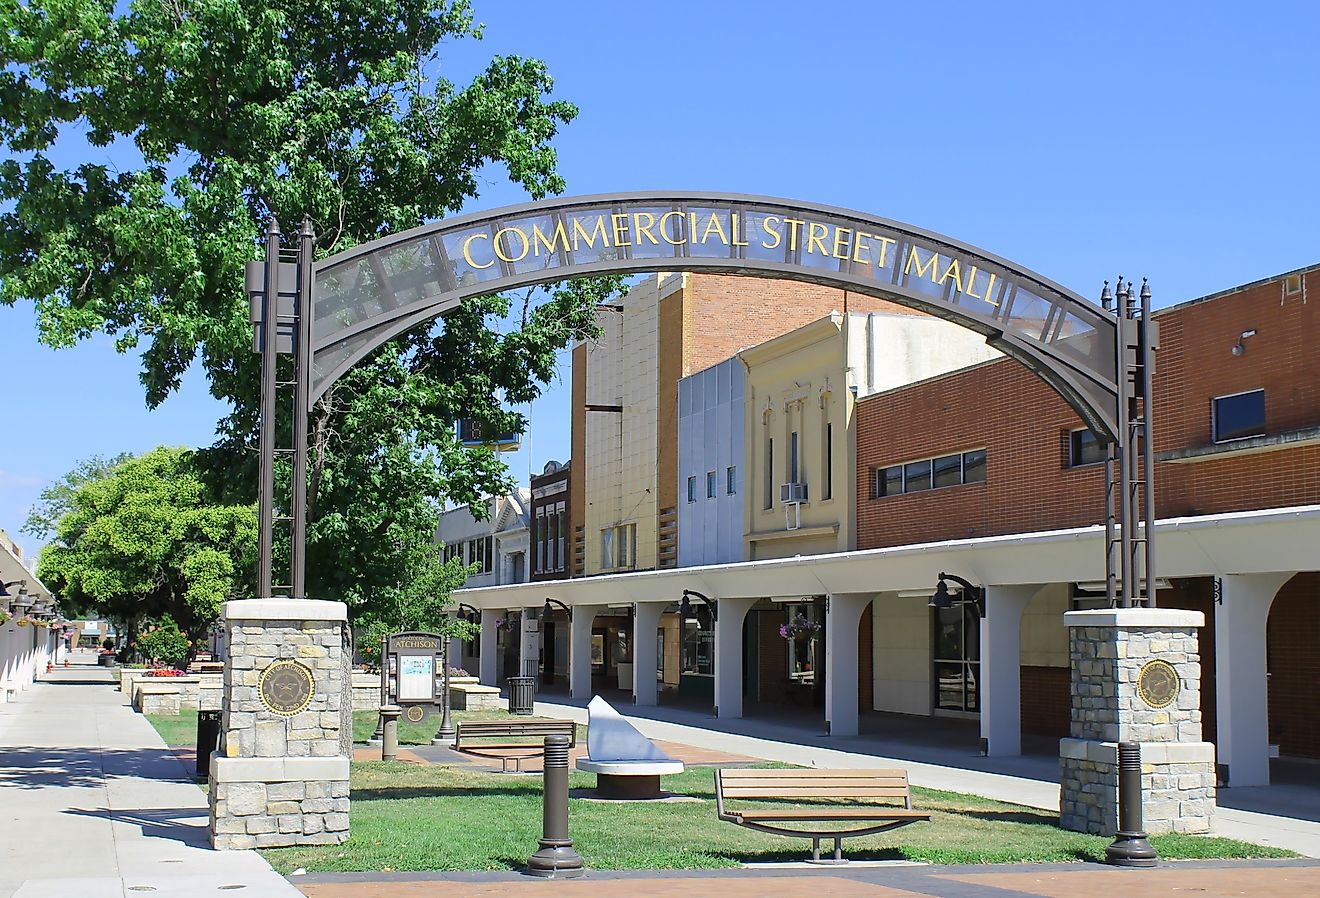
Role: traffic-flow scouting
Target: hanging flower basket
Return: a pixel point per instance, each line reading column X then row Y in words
column 799, row 629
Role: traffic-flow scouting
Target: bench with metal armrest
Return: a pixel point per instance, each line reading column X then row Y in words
column 518, row 735
column 837, row 797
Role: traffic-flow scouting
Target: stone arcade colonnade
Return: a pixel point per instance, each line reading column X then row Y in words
column 1252, row 553
column 24, row 653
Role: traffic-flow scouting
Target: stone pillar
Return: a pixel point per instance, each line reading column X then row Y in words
column 579, row 650
column 843, row 615
column 729, row 656
column 281, row 777
column 645, row 624
column 1136, row 677
column 1241, row 694
column 490, row 650
column 1001, row 668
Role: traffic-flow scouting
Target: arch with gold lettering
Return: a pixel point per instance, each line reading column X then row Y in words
column 371, row 293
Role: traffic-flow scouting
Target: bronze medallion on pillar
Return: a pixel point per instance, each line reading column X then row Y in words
column 1157, row 683
column 286, row 688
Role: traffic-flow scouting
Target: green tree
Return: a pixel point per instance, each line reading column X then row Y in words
column 420, row 601
column 143, row 541
column 231, row 111
column 56, row 500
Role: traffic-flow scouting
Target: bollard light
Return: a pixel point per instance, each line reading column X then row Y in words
column 557, row 858
column 1130, row 848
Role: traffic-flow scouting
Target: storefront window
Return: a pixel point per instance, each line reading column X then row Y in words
column 957, row 673
column 698, row 651
column 802, row 634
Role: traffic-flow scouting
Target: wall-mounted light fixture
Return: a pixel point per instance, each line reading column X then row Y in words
column 546, row 610
column 972, row 595
column 685, row 607
column 1239, row 347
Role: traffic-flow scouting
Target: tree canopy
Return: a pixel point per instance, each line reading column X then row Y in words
column 225, row 113
column 142, row 540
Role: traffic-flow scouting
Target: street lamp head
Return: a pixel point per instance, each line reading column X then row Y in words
column 941, row 599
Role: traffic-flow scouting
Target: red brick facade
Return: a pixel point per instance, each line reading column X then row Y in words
column 1024, row 426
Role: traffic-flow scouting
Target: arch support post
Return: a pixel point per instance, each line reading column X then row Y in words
column 1242, row 609
column 645, row 623
column 729, row 656
column 1001, row 668
column 843, row 614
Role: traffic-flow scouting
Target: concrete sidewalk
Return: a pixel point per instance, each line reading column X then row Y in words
column 94, row 805
column 1026, row 780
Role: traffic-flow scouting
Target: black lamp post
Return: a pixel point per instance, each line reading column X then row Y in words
column 971, row 593
column 685, row 607
column 447, row 733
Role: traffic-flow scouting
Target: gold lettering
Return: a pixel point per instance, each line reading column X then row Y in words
column 717, row 226
column 736, row 241
column 861, row 251
column 499, row 247
column 467, row 251
column 692, row 227
column 560, row 237
column 885, row 243
column 793, row 225
column 816, row 237
column 770, row 230
column 664, row 228
column 644, row 230
column 971, row 282
column 989, row 288
column 922, row 268
column 598, row 230
column 619, row 223
column 955, row 271
column 839, row 242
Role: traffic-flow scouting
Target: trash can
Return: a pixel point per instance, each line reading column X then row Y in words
column 520, row 694
column 208, row 740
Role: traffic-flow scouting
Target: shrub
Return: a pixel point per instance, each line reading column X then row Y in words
column 162, row 642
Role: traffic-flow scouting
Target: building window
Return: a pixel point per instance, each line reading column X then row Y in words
column 561, row 526
column 828, row 492
column 698, row 651
column 1238, row 416
column 619, row 546
column 710, row 484
column 1292, row 285
column 730, row 480
column 692, row 488
column 957, row 658
column 929, row 473
column 481, row 553
column 793, row 458
column 805, row 652
column 1084, row 448
column 770, row 473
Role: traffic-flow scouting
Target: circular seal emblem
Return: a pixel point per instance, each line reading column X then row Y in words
column 415, row 713
column 286, row 688
column 1157, row 684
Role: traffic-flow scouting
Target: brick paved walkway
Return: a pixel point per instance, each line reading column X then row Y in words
column 1263, row 879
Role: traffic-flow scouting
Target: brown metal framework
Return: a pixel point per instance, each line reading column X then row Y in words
column 334, row 313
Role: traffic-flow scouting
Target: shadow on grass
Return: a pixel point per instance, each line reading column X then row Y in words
column 803, row 853
column 397, row 793
column 1040, row 818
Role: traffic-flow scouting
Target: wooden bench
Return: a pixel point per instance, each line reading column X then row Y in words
column 529, row 733
column 832, row 796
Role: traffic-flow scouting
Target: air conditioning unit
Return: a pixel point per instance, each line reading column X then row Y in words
column 793, row 492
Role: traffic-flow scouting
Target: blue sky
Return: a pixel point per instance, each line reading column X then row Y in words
column 1173, row 141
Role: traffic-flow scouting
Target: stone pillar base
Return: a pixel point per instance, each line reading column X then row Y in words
column 1177, row 784
column 277, row 802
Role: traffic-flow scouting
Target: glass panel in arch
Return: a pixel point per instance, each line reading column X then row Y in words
column 764, row 234
column 1081, row 340
column 343, row 296
column 533, row 244
column 591, row 236
column 413, row 272
column 924, row 271
column 472, row 255
column 649, row 239
column 711, row 232
column 1027, row 315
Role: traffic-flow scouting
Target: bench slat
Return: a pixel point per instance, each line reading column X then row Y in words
column 832, row 814
column 859, row 791
column 733, row 773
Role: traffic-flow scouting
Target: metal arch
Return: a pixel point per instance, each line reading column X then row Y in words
column 376, row 291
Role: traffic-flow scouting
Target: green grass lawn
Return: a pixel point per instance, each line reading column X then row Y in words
column 407, row 817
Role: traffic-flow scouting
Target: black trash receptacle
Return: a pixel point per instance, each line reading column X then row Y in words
column 208, row 740
column 521, row 694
